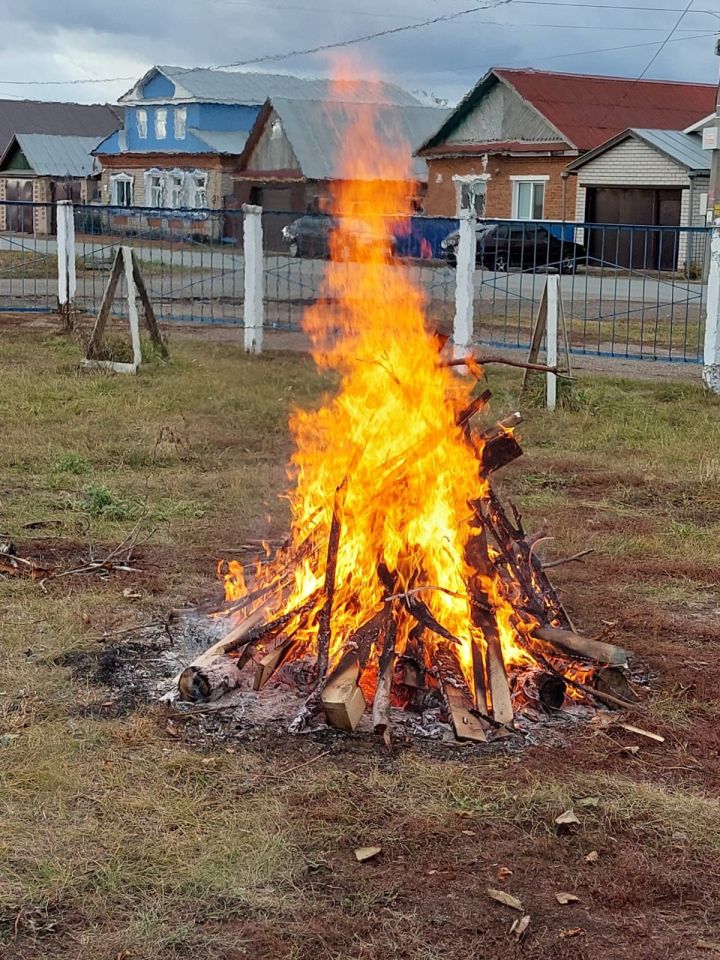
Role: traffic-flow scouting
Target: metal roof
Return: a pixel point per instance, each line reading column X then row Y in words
column 225, row 86
column 683, row 148
column 317, row 131
column 64, row 119
column 51, row 156
column 222, row 141
column 588, row 110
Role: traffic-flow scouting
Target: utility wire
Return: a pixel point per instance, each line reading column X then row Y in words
column 632, row 46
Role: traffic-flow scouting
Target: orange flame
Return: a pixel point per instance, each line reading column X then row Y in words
column 390, row 431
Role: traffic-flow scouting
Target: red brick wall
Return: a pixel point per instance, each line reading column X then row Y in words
column 441, row 193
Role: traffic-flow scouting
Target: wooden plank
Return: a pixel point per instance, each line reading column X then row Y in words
column 497, row 680
column 150, row 318
column 93, row 347
column 466, row 724
column 537, row 337
column 268, row 664
column 342, row 698
column 574, row 645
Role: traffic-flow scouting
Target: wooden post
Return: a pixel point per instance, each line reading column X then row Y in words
column 464, row 285
column 253, row 307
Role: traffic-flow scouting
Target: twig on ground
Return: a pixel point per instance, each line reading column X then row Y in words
column 483, row 361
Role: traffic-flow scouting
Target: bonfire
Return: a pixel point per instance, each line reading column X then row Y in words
column 405, row 581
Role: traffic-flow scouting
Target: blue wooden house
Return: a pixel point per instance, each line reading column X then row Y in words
column 184, row 131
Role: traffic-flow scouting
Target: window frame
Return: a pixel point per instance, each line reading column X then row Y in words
column 141, row 123
column 128, row 186
column 199, row 187
column 463, row 180
column 180, row 123
column 535, row 180
column 160, row 177
column 176, row 183
column 161, row 123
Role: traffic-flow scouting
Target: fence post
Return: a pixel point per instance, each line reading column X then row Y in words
column 464, row 284
column 551, row 339
column 67, row 283
column 253, row 307
column 711, row 357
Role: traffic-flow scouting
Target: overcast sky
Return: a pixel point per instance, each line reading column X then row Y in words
column 60, row 40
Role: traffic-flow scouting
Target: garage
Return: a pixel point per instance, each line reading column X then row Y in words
column 643, row 189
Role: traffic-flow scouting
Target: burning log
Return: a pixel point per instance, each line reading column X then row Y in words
column 573, row 645
column 271, row 662
column 615, row 681
column 381, row 703
column 209, row 680
column 330, row 567
column 545, row 688
column 342, row 698
column 467, row 723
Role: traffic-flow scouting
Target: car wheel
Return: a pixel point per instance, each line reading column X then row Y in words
column 294, row 248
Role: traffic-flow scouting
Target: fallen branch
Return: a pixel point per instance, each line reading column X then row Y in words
column 575, row 557
column 483, row 361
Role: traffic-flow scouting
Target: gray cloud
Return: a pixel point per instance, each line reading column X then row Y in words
column 47, row 40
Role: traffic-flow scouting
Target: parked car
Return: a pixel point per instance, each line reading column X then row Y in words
column 513, row 245
column 309, row 236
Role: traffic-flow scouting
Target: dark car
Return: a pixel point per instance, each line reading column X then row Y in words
column 309, row 236
column 513, row 245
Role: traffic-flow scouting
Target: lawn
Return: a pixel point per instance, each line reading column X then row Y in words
column 123, row 837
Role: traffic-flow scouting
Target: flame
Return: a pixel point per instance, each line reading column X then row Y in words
column 385, row 451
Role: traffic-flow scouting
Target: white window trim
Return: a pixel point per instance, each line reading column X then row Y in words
column 149, row 174
column 161, row 112
column 460, row 179
column 142, row 128
column 180, row 123
column 169, row 186
column 526, row 178
column 195, row 177
column 120, row 178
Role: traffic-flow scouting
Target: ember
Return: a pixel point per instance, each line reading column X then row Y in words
column 404, row 581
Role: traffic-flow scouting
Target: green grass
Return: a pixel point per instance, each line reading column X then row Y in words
column 118, row 839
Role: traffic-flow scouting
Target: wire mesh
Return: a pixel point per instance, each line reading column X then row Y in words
column 28, row 258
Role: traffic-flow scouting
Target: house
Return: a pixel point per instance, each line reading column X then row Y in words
column 644, row 177
column 504, row 149
column 20, row 183
column 291, row 157
column 56, row 168
column 185, row 128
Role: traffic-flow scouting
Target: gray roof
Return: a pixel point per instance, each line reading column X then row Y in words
column 223, row 141
column 317, row 131
column 51, row 156
column 683, row 148
column 225, row 86
column 66, row 119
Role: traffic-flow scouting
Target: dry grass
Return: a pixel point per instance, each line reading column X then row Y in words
column 118, row 839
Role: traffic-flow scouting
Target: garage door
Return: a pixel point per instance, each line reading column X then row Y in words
column 653, row 248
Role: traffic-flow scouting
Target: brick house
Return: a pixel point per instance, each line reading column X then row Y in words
column 504, row 149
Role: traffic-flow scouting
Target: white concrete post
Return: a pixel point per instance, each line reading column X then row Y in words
column 551, row 338
column 66, row 252
column 132, row 306
column 464, row 284
column 711, row 356
column 254, row 306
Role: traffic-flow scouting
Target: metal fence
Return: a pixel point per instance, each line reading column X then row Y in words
column 627, row 291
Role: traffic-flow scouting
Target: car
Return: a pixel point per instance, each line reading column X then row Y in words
column 309, row 236
column 519, row 245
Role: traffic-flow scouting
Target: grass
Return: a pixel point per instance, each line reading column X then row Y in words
column 120, row 838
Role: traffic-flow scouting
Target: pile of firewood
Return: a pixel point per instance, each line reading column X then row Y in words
column 370, row 669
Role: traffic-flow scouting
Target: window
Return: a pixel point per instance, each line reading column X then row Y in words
column 156, row 183
column 161, row 123
column 180, row 118
column 141, row 118
column 199, row 191
column 276, row 130
column 470, row 194
column 121, row 190
column 177, row 190
column 528, row 197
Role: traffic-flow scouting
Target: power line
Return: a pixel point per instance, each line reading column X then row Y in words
column 631, row 46
column 666, row 41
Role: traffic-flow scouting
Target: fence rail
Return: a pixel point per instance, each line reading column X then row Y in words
column 627, row 291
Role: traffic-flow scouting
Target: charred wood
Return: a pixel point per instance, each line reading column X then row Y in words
column 381, row 703
column 209, row 680
column 458, row 700
column 573, row 645
column 330, row 567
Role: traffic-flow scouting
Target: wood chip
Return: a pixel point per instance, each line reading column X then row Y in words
column 630, row 750
column 565, row 898
column 708, row 945
column 588, row 802
column 507, row 899
column 643, row 733
column 592, row 857
column 366, row 853
column 572, row 932
column 519, row 926
column 567, row 818
column 504, row 873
